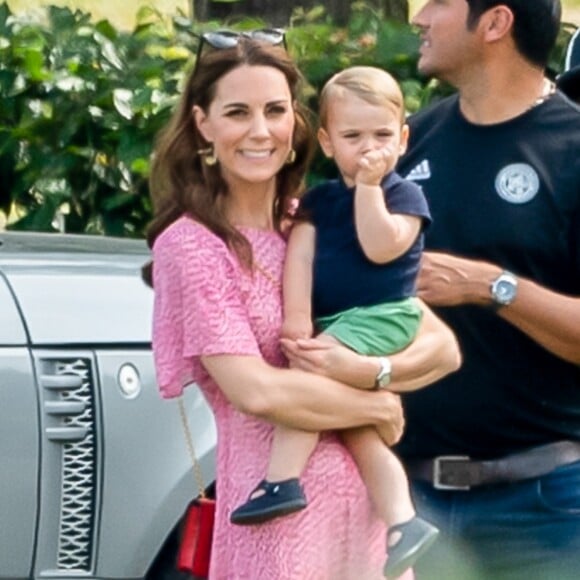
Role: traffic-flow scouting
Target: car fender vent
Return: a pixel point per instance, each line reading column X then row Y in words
column 69, row 409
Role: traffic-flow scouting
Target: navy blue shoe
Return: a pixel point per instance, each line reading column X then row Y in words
column 417, row 536
column 279, row 498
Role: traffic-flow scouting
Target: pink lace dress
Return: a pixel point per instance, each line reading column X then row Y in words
column 206, row 304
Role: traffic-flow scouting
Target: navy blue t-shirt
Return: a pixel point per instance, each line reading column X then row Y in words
column 508, row 194
column 343, row 276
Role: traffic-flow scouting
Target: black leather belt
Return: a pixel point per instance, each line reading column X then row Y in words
column 458, row 472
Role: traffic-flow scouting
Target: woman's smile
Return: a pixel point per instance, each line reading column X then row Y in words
column 257, row 154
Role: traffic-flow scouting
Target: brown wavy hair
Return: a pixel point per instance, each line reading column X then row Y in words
column 182, row 184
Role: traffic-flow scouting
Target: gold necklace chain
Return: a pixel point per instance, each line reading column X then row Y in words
column 267, row 274
column 548, row 89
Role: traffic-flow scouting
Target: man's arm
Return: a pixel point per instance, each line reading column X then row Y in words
column 550, row 319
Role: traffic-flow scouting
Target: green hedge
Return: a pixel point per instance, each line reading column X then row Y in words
column 82, row 102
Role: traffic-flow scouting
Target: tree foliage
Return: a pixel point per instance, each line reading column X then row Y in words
column 81, row 103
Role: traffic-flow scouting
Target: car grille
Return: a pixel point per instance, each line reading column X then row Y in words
column 70, row 408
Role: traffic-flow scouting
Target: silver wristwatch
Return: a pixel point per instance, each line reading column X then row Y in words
column 504, row 289
column 383, row 377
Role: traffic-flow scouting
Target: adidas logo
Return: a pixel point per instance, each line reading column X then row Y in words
column 420, row 172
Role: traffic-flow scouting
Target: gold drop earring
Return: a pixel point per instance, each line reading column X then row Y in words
column 208, row 155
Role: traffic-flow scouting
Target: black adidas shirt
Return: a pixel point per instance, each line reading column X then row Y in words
column 509, row 194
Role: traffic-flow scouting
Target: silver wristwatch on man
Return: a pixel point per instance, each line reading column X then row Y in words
column 504, row 289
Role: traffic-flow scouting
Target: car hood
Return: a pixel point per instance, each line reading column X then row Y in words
column 77, row 289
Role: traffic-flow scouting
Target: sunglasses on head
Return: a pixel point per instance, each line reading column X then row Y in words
column 224, row 39
column 221, row 39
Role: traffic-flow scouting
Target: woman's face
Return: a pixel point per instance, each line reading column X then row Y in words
column 250, row 123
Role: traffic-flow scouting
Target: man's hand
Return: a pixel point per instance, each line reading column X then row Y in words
column 446, row 280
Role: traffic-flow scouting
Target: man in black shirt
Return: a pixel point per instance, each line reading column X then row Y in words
column 494, row 449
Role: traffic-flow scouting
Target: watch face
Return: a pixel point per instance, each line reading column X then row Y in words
column 384, row 381
column 504, row 291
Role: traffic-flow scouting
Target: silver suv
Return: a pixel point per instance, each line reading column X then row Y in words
column 94, row 470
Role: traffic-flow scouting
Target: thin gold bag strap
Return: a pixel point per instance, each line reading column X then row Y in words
column 189, row 440
column 267, row 274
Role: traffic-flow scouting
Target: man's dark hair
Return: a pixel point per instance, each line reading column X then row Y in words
column 536, row 25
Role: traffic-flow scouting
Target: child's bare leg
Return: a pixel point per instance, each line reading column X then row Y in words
column 409, row 536
column 383, row 474
column 291, row 449
column 280, row 493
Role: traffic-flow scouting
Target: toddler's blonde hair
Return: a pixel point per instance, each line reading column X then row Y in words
column 371, row 84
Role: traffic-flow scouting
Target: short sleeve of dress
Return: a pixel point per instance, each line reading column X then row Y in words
column 199, row 306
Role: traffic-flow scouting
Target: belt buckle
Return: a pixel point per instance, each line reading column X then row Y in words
column 438, row 472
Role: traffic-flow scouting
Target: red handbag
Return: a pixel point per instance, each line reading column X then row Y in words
column 194, row 552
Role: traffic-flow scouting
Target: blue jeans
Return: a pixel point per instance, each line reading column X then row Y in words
column 528, row 530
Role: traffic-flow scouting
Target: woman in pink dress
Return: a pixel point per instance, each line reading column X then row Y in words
column 224, row 172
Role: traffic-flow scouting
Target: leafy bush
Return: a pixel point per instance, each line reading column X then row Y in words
column 82, row 103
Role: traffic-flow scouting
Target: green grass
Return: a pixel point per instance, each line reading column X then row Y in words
column 122, row 12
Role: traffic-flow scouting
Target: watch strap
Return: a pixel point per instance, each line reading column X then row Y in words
column 383, row 378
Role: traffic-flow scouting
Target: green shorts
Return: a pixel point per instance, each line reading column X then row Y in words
column 375, row 330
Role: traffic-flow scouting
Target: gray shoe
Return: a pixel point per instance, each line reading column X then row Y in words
column 417, row 536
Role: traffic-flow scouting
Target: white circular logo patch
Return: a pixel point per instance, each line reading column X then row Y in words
column 517, row 183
